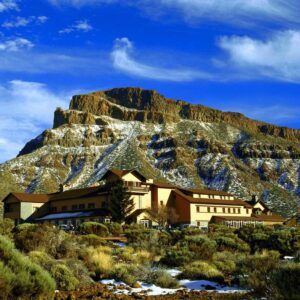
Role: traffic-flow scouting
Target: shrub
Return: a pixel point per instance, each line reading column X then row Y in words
column 91, row 240
column 202, row 270
column 98, row 261
column 201, row 246
column 128, row 254
column 64, row 277
column 224, row 262
column 6, row 227
column 22, row 277
column 255, row 270
column 162, row 279
column 115, row 228
column 285, row 281
column 232, row 243
column 7, row 277
column 177, row 257
column 129, row 274
column 93, row 228
column 42, row 237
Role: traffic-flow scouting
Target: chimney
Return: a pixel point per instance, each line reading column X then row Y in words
column 61, row 188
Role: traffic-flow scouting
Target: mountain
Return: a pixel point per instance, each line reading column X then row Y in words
column 174, row 141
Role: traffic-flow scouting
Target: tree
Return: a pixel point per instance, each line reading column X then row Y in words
column 162, row 215
column 121, row 203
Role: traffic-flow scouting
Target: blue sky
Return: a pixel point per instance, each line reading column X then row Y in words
column 232, row 55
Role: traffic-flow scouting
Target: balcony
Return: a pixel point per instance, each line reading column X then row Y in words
column 136, row 187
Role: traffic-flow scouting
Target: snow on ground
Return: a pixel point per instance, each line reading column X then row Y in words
column 147, row 288
column 201, row 285
column 154, row 290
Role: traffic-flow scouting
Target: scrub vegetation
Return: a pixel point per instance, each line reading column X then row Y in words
column 38, row 259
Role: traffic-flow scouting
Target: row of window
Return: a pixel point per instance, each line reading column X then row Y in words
column 228, row 210
column 74, row 207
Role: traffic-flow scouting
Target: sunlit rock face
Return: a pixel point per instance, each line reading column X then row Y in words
column 187, row 145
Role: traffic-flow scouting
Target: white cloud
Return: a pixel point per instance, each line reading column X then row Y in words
column 8, row 5
column 230, row 11
column 123, row 61
column 26, row 110
column 15, row 45
column 22, row 22
column 82, row 25
column 277, row 57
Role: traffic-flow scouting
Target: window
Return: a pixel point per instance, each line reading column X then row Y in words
column 239, row 210
column 247, row 211
column 91, row 205
column 7, row 208
column 229, row 210
column 208, row 209
column 74, row 207
column 104, row 204
column 64, row 208
column 81, row 206
column 215, row 209
column 53, row 209
column 198, row 223
column 161, row 202
column 224, row 210
column 198, row 208
column 234, row 210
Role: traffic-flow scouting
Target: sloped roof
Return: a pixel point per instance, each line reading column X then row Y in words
column 163, row 184
column 27, row 197
column 75, row 214
column 207, row 192
column 269, row 218
column 77, row 193
column 121, row 173
column 190, row 199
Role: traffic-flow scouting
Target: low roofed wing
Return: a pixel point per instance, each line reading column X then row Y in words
column 190, row 199
column 27, row 197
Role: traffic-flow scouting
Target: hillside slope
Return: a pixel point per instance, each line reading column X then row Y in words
column 188, row 145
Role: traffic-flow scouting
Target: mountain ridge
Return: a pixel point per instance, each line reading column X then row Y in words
column 174, row 141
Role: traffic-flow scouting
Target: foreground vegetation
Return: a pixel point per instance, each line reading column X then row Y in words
column 37, row 259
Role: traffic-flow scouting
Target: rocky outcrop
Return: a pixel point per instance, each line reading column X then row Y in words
column 148, row 106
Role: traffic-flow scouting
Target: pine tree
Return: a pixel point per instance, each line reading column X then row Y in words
column 121, row 203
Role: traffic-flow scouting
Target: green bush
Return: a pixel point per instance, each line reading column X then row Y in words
column 225, row 262
column 64, row 277
column 163, row 279
column 177, row 257
column 231, row 243
column 92, row 240
column 255, row 270
column 202, row 247
column 93, row 228
column 285, row 281
column 6, row 227
column 115, row 228
column 41, row 237
column 129, row 274
column 202, row 270
column 22, row 278
column 7, row 278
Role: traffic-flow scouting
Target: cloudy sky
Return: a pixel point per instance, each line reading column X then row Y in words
column 233, row 55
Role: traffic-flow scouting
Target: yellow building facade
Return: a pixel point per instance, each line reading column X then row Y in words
column 197, row 207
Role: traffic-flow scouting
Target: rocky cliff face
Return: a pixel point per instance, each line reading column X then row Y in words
column 188, row 145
